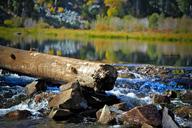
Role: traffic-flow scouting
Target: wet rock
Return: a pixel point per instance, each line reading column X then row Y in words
column 143, row 114
column 70, row 99
column 98, row 100
column 167, row 120
column 186, row 96
column 121, row 106
column 187, row 124
column 7, row 94
column 151, row 70
column 88, row 113
column 60, row 114
column 18, row 115
column 171, row 94
column 146, row 126
column 35, row 86
column 7, row 103
column 161, row 99
column 105, row 116
column 185, row 112
column 44, row 95
column 132, row 125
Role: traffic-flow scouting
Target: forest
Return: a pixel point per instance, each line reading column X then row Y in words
column 91, row 13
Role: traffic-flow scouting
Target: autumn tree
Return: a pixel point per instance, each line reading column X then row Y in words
column 115, row 7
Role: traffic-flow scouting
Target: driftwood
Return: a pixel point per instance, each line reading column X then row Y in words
column 90, row 74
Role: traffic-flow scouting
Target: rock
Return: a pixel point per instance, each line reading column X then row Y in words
column 121, row 106
column 35, row 86
column 30, row 88
column 171, row 94
column 67, row 86
column 98, row 100
column 161, row 99
column 146, row 126
column 185, row 112
column 143, row 114
column 167, row 120
column 187, row 124
column 60, row 114
column 88, row 113
column 186, row 96
column 7, row 103
column 132, row 125
column 70, row 99
column 105, row 116
column 18, row 115
column 151, row 70
column 41, row 86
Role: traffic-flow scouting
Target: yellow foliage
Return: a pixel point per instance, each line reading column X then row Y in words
column 59, row 53
column 112, row 12
column 90, row 2
column 102, row 27
column 52, row 9
column 49, row 5
column 113, row 3
column 60, row 9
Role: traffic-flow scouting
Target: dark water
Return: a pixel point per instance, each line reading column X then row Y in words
column 137, row 52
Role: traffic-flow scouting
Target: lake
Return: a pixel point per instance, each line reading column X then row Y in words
column 113, row 51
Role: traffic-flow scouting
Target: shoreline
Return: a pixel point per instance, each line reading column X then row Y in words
column 53, row 33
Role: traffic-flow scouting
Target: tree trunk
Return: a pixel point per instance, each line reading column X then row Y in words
column 90, row 74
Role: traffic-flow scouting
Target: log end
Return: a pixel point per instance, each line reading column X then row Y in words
column 104, row 78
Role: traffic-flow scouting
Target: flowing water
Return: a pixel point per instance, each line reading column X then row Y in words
column 133, row 87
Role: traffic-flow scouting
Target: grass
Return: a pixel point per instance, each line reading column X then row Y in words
column 59, row 34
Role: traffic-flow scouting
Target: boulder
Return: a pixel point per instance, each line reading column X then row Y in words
column 172, row 94
column 146, row 126
column 167, row 120
column 161, row 99
column 35, row 86
column 44, row 95
column 184, row 111
column 67, row 86
column 105, row 116
column 98, row 99
column 7, row 103
column 186, row 96
column 60, row 114
column 143, row 114
column 30, row 88
column 18, row 115
column 121, row 106
column 71, row 98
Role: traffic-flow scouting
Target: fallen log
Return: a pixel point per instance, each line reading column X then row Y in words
column 90, row 74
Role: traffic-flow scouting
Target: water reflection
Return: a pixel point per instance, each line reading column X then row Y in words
column 158, row 53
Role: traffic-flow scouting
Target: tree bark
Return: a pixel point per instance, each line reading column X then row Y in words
column 90, row 74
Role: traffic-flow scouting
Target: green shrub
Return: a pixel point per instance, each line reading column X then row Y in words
column 14, row 22
column 153, row 21
column 8, row 23
column 42, row 24
column 17, row 21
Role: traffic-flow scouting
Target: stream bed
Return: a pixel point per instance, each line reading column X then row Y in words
column 135, row 86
